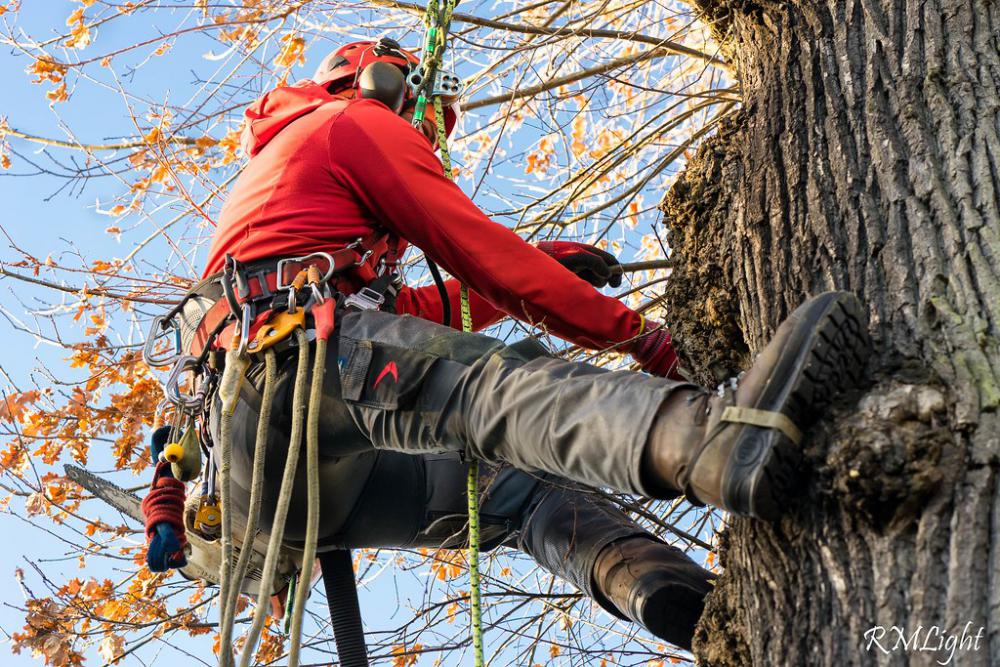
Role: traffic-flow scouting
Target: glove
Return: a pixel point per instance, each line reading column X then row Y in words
column 597, row 267
column 656, row 354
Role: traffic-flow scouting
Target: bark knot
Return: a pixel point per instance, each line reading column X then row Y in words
column 884, row 460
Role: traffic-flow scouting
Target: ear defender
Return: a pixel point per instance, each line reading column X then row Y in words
column 383, row 82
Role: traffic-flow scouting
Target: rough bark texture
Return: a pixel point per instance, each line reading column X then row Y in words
column 867, row 158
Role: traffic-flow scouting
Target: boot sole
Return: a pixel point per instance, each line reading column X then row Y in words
column 832, row 347
column 672, row 612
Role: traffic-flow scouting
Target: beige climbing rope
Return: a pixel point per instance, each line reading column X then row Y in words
column 229, row 392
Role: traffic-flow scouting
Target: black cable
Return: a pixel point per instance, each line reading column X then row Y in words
column 442, row 290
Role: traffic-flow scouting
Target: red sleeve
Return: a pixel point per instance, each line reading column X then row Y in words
column 393, row 171
column 425, row 302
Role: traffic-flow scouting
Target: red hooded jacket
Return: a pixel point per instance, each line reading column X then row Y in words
column 325, row 171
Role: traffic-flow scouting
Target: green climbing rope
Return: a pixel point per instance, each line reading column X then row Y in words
column 437, row 22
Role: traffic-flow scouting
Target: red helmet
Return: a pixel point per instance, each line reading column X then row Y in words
column 342, row 69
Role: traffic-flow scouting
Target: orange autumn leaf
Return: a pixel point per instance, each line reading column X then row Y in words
column 58, row 94
column 14, row 406
column 79, row 36
column 405, row 657
column 292, row 51
column 47, row 70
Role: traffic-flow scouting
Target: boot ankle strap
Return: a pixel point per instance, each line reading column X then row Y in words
column 764, row 419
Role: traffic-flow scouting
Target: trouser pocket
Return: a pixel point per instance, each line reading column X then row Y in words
column 385, row 377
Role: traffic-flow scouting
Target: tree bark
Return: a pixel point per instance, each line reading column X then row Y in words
column 866, row 158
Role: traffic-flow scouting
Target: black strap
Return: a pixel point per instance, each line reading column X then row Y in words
column 345, row 610
column 442, row 291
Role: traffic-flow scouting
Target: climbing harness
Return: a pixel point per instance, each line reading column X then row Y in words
column 279, row 327
column 256, row 311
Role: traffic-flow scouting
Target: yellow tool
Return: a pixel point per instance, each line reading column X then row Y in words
column 208, row 517
column 277, row 329
column 184, row 456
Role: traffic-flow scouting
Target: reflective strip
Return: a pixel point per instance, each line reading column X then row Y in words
column 763, row 418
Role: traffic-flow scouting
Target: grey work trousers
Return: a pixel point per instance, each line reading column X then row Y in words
column 406, row 401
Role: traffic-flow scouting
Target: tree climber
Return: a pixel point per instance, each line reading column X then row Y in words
column 335, row 164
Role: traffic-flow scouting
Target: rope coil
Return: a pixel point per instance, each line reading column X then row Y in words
column 163, row 508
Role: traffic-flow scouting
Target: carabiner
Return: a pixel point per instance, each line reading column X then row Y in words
column 298, row 283
column 246, row 319
column 194, row 403
column 316, row 284
column 158, row 330
column 280, row 281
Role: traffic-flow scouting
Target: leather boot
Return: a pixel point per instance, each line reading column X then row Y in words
column 653, row 584
column 738, row 448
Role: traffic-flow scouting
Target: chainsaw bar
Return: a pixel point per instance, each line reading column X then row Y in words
column 205, row 556
column 124, row 501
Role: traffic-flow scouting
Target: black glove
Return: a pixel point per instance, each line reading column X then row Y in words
column 597, row 267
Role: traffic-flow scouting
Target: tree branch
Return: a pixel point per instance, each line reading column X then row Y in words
column 60, row 143
column 671, row 47
column 658, row 52
column 97, row 291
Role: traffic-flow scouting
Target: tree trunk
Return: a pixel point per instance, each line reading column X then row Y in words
column 866, row 158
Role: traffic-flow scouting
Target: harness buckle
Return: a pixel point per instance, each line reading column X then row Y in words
column 260, row 275
column 365, row 299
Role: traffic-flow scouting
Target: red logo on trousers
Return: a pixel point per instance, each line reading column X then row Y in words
column 390, row 369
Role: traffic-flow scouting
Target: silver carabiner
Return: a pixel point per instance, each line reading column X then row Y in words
column 190, row 404
column 246, row 319
column 158, row 332
column 281, row 285
column 210, row 474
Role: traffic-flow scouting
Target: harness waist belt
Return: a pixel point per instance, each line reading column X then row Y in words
column 347, row 269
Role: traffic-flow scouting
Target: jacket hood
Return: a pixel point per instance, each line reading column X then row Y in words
column 273, row 112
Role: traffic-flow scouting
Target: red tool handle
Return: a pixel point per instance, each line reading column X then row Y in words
column 323, row 316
